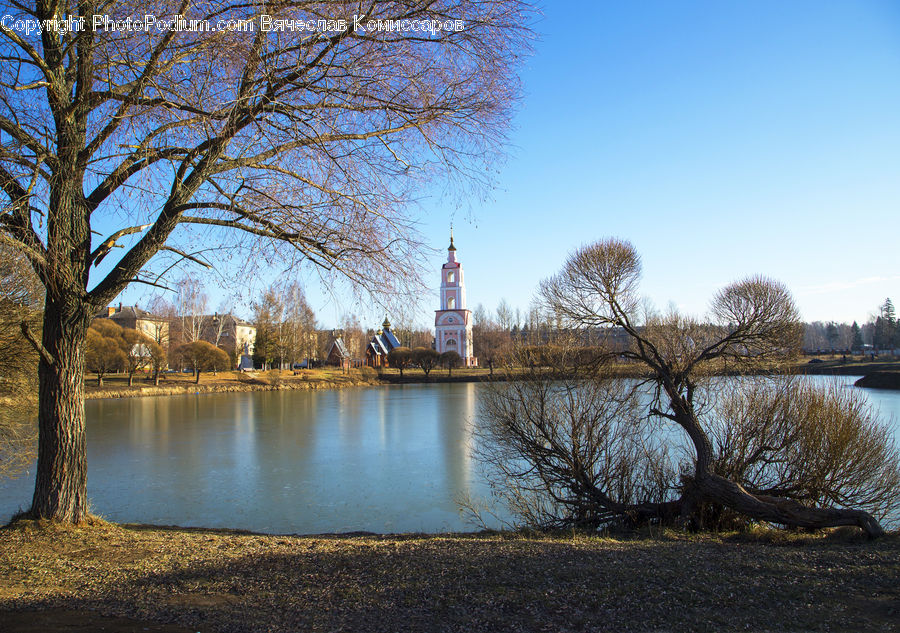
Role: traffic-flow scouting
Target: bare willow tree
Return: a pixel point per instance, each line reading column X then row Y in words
column 783, row 437
column 787, row 454
column 21, row 299
column 567, row 446
column 301, row 143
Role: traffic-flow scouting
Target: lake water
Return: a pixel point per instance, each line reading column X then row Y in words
column 380, row 459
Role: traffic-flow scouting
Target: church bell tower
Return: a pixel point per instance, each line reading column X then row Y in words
column 453, row 322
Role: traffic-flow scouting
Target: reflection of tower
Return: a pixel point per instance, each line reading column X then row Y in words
column 453, row 322
column 456, row 423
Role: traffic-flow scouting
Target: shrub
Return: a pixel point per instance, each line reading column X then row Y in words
column 274, row 377
column 563, row 452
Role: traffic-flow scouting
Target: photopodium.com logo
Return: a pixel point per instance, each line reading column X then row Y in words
column 264, row 23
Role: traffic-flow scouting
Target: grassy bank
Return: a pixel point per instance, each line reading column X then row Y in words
column 127, row 578
column 852, row 366
column 116, row 386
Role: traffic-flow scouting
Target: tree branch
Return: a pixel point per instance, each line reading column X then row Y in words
column 36, row 344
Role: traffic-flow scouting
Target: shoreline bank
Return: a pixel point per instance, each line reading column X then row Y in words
column 880, row 380
column 235, row 382
column 229, row 383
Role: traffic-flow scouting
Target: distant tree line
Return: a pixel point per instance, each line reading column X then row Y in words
column 881, row 332
column 496, row 334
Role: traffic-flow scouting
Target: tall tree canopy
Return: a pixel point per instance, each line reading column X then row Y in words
column 306, row 143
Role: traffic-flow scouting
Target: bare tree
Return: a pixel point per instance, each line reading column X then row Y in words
column 753, row 325
column 426, row 358
column 505, row 315
column 450, row 359
column 400, row 358
column 191, row 306
column 20, row 300
column 300, row 324
column 220, row 321
column 164, row 314
column 203, row 356
column 305, row 146
column 140, row 351
column 158, row 358
column 354, row 336
column 566, row 447
column 780, row 436
column 421, row 337
column 492, row 343
column 272, row 336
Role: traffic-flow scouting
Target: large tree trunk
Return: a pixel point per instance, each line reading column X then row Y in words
column 716, row 489
column 60, row 490
column 783, row 511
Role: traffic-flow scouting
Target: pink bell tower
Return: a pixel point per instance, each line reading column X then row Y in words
column 453, row 322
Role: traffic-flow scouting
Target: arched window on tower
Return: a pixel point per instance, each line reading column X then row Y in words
column 451, row 277
column 451, row 343
column 451, row 303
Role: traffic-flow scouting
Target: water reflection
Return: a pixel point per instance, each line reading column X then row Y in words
column 384, row 459
column 456, row 417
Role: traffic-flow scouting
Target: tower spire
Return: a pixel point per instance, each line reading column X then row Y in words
column 452, row 247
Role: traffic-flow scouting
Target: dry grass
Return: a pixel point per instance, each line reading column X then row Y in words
column 204, row 580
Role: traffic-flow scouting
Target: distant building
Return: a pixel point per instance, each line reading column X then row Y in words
column 226, row 331
column 231, row 334
column 453, row 322
column 380, row 346
column 154, row 326
column 336, row 354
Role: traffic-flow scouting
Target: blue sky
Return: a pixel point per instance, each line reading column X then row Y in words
column 722, row 139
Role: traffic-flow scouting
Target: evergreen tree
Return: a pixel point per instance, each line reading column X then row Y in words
column 887, row 333
column 887, row 311
column 857, row 343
